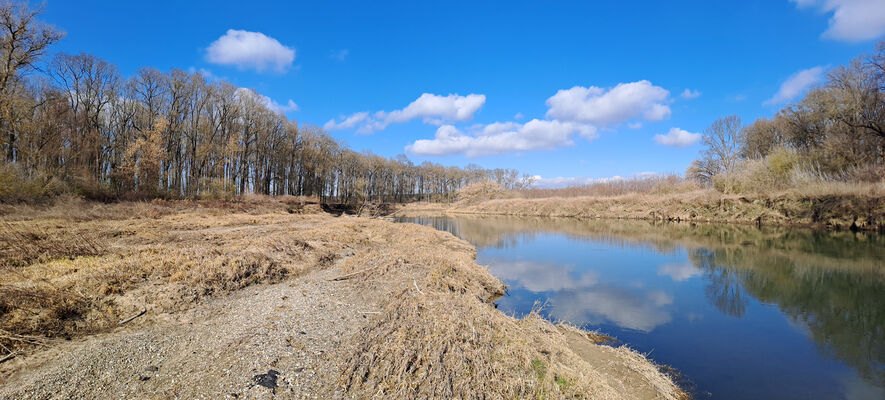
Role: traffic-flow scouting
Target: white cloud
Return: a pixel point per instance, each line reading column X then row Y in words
column 268, row 102
column 250, row 50
column 502, row 137
column 347, row 122
column 205, row 73
column 431, row 108
column 518, row 116
column 624, row 102
column 690, row 94
column 280, row 108
column 796, row 84
column 851, row 20
column 678, row 138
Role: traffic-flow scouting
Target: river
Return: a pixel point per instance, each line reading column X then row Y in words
column 740, row 312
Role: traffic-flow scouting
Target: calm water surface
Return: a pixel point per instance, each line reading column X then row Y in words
column 741, row 312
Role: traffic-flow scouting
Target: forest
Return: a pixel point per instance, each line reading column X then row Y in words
column 73, row 124
column 834, row 134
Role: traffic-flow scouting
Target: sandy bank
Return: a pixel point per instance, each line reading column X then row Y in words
column 239, row 296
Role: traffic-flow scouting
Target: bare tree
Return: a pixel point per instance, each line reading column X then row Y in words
column 723, row 144
column 23, row 41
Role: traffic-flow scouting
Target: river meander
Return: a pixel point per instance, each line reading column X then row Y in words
column 741, row 312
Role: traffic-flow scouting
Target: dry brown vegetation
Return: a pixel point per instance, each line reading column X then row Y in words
column 85, row 266
column 77, row 267
column 656, row 184
column 837, row 205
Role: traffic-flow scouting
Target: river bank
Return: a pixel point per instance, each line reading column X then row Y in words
column 259, row 298
column 836, row 211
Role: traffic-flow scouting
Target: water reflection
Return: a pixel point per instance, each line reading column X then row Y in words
column 774, row 286
column 625, row 308
column 679, row 271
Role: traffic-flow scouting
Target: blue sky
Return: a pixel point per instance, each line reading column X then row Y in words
column 556, row 89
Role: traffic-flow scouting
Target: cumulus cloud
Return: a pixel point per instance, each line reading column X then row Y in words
column 601, row 107
column 677, row 138
column 502, row 137
column 268, row 102
column 796, row 84
column 280, row 108
column 250, row 50
column 431, row 108
column 577, row 111
column 347, row 121
column 851, row 20
column 690, row 94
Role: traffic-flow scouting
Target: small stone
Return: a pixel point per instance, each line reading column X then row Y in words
column 268, row 380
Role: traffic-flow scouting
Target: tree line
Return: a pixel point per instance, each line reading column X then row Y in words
column 835, row 132
column 74, row 123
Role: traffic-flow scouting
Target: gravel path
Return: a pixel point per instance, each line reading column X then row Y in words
column 261, row 342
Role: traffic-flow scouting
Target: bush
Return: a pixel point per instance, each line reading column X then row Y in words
column 217, row 189
column 774, row 172
column 17, row 186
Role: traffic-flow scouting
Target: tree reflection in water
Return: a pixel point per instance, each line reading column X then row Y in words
column 843, row 310
column 832, row 283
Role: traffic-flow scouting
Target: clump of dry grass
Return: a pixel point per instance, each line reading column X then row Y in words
column 439, row 335
column 22, row 244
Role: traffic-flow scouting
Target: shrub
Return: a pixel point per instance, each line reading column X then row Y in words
column 774, row 172
column 217, row 189
column 17, row 186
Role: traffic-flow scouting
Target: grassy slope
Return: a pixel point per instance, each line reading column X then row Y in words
column 76, row 268
column 864, row 210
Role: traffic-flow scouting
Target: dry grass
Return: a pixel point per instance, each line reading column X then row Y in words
column 437, row 333
column 74, row 268
column 483, row 191
column 657, row 184
column 831, row 205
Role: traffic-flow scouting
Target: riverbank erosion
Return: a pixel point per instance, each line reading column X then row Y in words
column 264, row 298
column 855, row 210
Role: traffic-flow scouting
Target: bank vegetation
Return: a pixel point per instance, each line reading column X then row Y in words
column 75, row 268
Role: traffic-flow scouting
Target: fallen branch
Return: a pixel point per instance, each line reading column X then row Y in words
column 140, row 313
column 351, row 275
column 7, row 357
